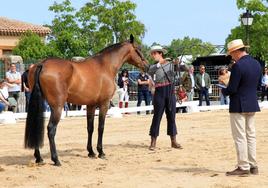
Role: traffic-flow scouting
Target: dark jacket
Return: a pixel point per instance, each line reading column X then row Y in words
column 243, row 84
column 198, row 81
column 120, row 83
column 187, row 81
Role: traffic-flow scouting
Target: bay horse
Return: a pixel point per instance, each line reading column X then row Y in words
column 90, row 82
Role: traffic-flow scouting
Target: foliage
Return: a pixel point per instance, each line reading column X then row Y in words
column 258, row 36
column 66, row 38
column 92, row 28
column 190, row 46
column 31, row 46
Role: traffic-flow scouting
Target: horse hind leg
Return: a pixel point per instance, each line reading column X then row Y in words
column 52, row 128
column 38, row 158
column 90, row 130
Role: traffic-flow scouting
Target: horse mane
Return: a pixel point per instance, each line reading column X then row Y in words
column 109, row 48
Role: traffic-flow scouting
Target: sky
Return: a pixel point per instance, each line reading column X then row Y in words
column 164, row 20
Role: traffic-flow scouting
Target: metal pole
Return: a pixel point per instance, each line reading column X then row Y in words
column 247, row 38
column 248, row 35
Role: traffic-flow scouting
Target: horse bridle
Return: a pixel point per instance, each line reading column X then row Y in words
column 139, row 53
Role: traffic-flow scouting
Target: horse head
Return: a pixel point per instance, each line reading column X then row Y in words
column 136, row 57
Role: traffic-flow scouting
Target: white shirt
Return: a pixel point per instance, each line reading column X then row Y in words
column 264, row 80
column 13, row 75
column 192, row 79
column 125, row 82
column 203, row 80
column 4, row 92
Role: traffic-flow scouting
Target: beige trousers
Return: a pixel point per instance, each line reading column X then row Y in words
column 244, row 135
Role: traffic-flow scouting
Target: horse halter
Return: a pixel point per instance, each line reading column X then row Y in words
column 137, row 50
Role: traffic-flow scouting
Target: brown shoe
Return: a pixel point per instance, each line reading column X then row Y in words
column 238, row 172
column 174, row 143
column 254, row 170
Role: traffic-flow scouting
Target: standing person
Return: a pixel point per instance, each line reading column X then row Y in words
column 242, row 89
column 264, row 84
column 123, row 84
column 202, row 83
column 164, row 98
column 224, row 76
column 14, row 77
column 143, row 90
column 188, row 83
column 25, row 87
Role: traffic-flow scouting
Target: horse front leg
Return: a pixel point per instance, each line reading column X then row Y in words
column 52, row 128
column 90, row 130
column 102, row 116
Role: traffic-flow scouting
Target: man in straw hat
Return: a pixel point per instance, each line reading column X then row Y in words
column 164, row 99
column 242, row 89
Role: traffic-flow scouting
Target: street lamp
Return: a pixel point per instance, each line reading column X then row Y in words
column 247, row 20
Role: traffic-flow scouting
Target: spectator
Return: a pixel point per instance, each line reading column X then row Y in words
column 13, row 77
column 143, row 90
column 188, row 82
column 123, row 83
column 264, row 84
column 202, row 83
column 3, row 96
column 182, row 97
column 224, row 76
column 25, row 87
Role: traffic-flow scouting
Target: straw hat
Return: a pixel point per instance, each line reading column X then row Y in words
column 158, row 48
column 235, row 45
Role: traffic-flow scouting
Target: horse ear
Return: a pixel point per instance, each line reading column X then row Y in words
column 131, row 38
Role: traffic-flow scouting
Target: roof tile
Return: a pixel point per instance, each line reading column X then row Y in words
column 14, row 27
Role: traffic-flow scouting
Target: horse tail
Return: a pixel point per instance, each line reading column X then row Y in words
column 34, row 130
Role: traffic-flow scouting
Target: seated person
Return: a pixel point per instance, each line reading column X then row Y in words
column 3, row 96
column 10, row 102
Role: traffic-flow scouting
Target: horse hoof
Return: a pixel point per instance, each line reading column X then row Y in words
column 102, row 156
column 57, row 163
column 41, row 163
column 92, row 155
column 39, row 160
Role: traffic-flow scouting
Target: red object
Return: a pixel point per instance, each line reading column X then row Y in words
column 120, row 104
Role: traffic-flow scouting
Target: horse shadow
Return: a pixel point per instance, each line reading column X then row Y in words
column 129, row 145
column 26, row 159
column 193, row 170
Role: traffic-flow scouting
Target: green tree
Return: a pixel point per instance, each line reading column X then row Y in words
column 109, row 21
column 258, row 30
column 96, row 25
column 30, row 47
column 66, row 38
column 190, row 46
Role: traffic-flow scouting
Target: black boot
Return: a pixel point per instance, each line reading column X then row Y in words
column 174, row 143
column 153, row 143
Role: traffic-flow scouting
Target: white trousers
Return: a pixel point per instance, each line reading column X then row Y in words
column 244, row 135
column 190, row 95
column 123, row 95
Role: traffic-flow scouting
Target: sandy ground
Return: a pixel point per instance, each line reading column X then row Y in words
column 208, row 153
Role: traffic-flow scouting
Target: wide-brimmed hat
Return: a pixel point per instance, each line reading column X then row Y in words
column 235, row 45
column 158, row 48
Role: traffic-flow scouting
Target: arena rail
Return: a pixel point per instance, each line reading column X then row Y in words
column 115, row 112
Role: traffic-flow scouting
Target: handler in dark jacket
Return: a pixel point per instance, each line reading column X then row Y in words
column 242, row 89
